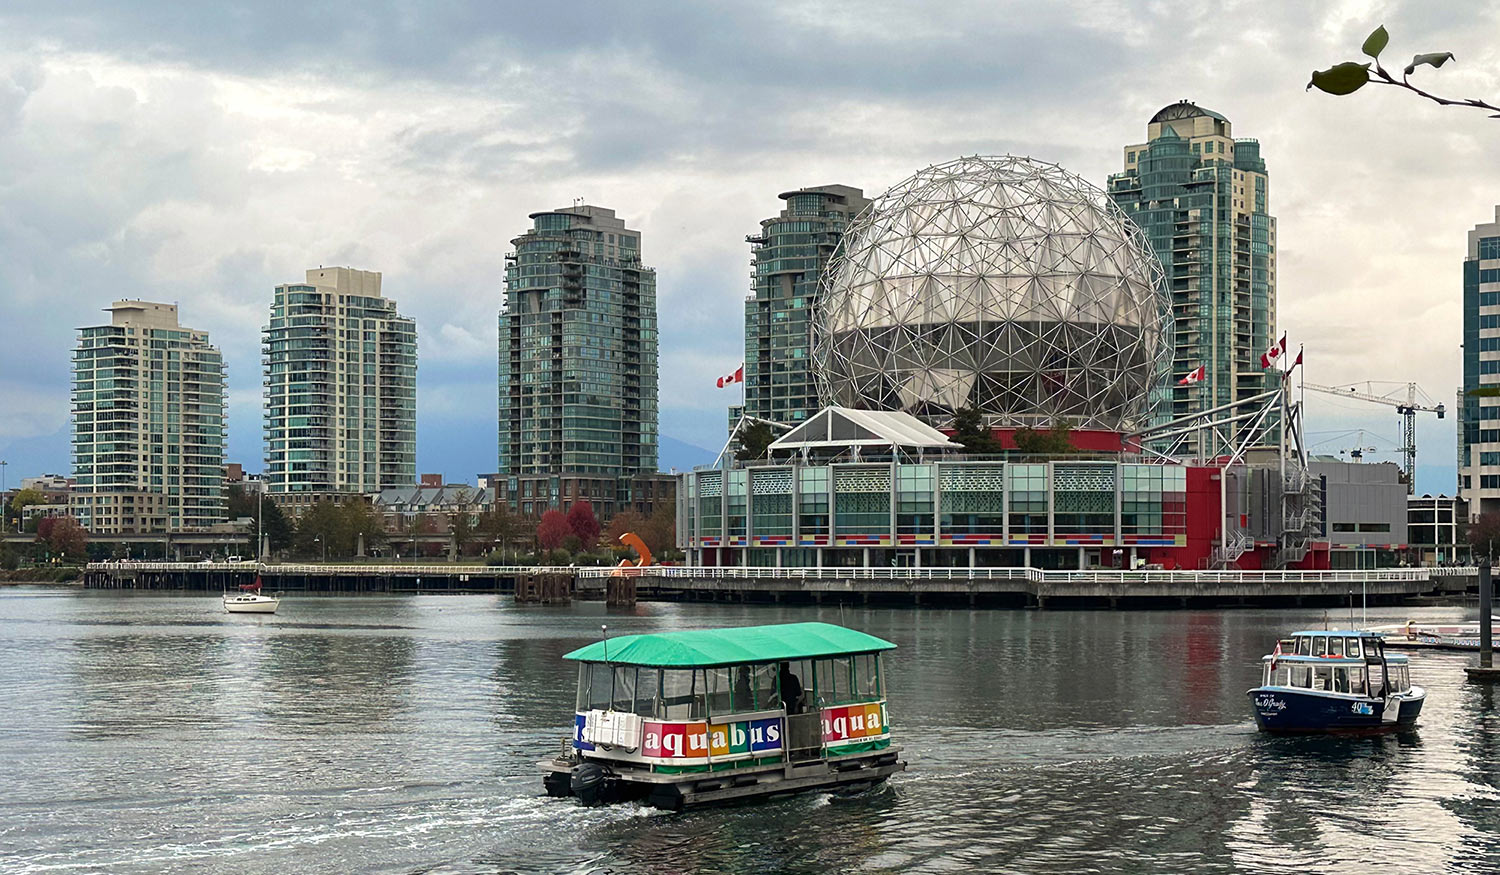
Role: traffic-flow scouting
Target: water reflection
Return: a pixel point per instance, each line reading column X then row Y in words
column 152, row 733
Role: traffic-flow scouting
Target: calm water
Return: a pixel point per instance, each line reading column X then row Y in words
column 148, row 733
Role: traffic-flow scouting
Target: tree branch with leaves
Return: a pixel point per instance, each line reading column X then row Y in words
column 1350, row 76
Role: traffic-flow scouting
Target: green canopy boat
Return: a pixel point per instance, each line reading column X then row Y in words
column 716, row 715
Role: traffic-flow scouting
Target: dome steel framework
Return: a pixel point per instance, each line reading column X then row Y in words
column 1001, row 283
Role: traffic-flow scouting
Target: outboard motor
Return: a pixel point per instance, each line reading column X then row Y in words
column 590, row 783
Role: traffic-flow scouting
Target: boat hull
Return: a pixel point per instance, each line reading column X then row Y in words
column 266, row 606
column 1299, row 711
column 848, row 774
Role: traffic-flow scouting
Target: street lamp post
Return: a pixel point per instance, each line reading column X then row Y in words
column 260, row 516
column 319, row 540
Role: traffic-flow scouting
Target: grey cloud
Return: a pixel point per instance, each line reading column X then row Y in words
column 687, row 119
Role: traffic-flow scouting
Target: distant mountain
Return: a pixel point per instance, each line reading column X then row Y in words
column 673, row 453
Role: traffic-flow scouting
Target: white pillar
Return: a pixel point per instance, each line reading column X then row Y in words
column 820, row 557
column 1026, row 557
column 971, row 557
column 1083, row 559
column 867, row 557
column 917, row 562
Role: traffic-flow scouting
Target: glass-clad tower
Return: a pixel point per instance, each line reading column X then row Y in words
column 787, row 259
column 1201, row 196
column 577, row 359
column 341, row 388
column 148, row 424
column 1479, row 418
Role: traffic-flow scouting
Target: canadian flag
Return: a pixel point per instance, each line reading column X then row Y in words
column 1196, row 375
column 737, row 377
column 1274, row 354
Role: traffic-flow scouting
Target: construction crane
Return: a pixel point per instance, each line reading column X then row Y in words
column 1407, row 408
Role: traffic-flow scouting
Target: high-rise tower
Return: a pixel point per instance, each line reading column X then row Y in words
column 148, row 424
column 1202, row 198
column 1479, row 418
column 341, row 388
column 577, row 362
column 787, row 262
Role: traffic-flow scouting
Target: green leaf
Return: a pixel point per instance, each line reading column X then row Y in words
column 1436, row 59
column 1345, row 78
column 1375, row 42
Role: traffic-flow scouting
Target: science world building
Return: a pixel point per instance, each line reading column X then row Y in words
column 1014, row 289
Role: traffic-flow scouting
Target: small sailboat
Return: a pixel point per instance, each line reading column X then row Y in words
column 249, row 600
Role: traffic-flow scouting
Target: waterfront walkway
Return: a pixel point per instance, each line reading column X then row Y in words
column 1013, row 587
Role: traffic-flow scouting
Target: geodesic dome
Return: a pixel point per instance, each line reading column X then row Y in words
column 1001, row 283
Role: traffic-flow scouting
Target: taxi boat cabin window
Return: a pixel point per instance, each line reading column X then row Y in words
column 1400, row 678
column 1324, row 645
column 605, row 687
column 1336, row 679
column 697, row 694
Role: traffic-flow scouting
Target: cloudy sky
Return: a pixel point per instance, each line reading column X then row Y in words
column 203, row 153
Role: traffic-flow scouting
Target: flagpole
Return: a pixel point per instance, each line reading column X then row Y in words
column 1301, row 384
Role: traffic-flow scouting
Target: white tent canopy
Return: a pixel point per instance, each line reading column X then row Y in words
column 845, row 427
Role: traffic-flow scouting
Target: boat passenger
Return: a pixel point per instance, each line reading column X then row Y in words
column 791, row 690
column 742, row 689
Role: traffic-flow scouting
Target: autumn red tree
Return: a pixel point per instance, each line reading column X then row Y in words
column 583, row 523
column 552, row 529
column 63, row 535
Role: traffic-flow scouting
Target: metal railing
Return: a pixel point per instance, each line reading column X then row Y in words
column 682, row 572
column 401, row 570
column 1035, row 575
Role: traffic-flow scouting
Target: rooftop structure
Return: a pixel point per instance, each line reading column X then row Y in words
column 841, row 427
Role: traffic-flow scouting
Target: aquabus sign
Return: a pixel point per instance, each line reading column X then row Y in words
column 853, row 723
column 697, row 740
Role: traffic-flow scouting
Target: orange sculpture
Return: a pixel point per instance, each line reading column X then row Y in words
column 632, row 540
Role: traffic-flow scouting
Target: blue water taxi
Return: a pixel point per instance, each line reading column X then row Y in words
column 680, row 719
column 1335, row 681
